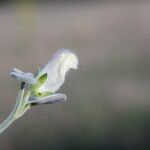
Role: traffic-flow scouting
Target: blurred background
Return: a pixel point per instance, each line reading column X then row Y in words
column 108, row 104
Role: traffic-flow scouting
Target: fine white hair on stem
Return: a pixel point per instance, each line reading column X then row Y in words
column 56, row 69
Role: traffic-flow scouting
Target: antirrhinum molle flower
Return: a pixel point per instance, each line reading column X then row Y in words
column 52, row 76
column 41, row 88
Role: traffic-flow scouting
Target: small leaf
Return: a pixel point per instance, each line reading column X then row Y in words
column 51, row 99
column 23, row 77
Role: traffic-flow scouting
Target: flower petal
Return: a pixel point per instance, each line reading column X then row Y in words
column 56, row 70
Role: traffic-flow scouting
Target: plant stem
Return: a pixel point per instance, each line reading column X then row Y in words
column 16, row 110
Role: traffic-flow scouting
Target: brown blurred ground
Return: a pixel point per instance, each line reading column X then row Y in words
column 108, row 99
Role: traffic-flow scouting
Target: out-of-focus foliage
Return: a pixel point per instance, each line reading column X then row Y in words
column 108, row 98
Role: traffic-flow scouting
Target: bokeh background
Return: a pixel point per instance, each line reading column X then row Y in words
column 108, row 105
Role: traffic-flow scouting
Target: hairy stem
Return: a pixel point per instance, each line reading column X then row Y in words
column 16, row 110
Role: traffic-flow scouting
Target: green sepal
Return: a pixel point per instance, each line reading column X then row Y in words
column 41, row 80
column 34, row 88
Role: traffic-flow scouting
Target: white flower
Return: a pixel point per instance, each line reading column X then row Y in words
column 40, row 89
column 51, row 77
